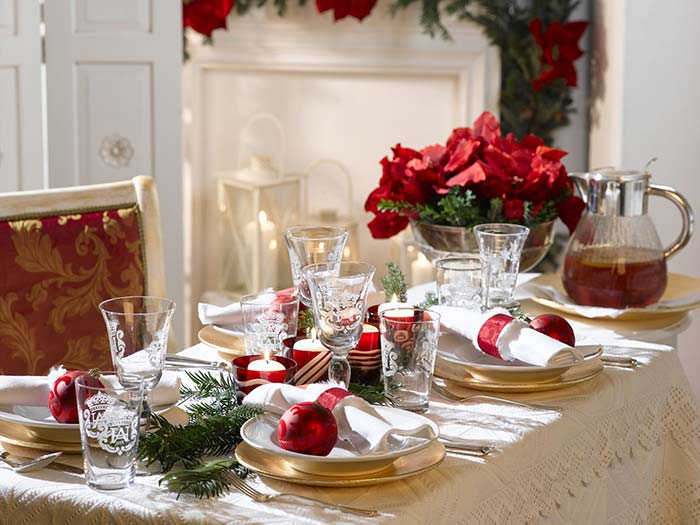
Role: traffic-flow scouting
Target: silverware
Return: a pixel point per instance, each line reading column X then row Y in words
column 33, row 464
column 470, row 449
column 619, row 361
column 258, row 496
column 178, row 362
column 12, row 459
column 444, row 392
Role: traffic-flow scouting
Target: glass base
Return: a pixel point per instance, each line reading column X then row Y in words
column 339, row 370
column 111, row 481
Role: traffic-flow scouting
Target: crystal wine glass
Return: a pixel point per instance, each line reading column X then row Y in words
column 138, row 328
column 338, row 292
column 312, row 245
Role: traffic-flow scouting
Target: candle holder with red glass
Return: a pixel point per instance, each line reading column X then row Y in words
column 311, row 357
column 251, row 371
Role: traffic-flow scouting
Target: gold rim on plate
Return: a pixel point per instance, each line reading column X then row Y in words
column 573, row 376
column 228, row 344
column 272, row 466
column 678, row 286
column 19, row 436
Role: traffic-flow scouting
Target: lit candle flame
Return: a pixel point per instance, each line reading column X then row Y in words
column 266, row 354
column 394, row 299
column 422, row 258
column 314, row 335
column 262, row 218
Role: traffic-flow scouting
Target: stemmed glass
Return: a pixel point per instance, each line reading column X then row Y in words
column 338, row 292
column 138, row 328
column 312, row 245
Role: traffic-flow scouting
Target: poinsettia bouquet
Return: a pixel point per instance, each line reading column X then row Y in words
column 478, row 176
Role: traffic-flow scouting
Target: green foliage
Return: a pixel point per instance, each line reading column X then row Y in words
column 429, row 300
column 373, row 394
column 394, row 283
column 306, row 321
column 207, row 480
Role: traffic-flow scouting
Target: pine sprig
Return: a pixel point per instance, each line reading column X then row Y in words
column 207, row 480
column 214, row 435
column 306, row 321
column 429, row 300
column 373, row 394
column 394, row 283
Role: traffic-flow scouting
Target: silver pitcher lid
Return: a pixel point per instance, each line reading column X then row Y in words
column 618, row 192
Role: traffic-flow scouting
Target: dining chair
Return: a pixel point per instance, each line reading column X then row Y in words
column 62, row 252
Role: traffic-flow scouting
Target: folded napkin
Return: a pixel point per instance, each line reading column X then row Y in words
column 34, row 390
column 593, row 312
column 359, row 423
column 231, row 315
column 515, row 340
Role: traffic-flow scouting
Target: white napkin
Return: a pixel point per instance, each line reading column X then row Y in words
column 34, row 390
column 516, row 341
column 358, row 422
column 593, row 312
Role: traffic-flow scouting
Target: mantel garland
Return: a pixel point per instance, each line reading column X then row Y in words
column 538, row 46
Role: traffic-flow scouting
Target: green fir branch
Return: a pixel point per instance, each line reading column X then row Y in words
column 207, row 480
column 306, row 321
column 394, row 283
column 429, row 300
column 373, row 394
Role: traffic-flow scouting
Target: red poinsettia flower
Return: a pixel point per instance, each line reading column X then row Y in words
column 342, row 8
column 559, row 44
column 206, row 15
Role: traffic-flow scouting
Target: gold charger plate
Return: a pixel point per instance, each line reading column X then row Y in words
column 229, row 344
column 678, row 286
column 274, row 467
column 20, row 436
column 573, row 376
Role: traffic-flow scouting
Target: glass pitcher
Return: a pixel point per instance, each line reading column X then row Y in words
column 614, row 257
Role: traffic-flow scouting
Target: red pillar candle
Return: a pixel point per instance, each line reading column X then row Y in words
column 312, row 359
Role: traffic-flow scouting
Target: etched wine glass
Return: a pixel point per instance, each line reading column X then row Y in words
column 312, row 245
column 338, row 293
column 138, row 328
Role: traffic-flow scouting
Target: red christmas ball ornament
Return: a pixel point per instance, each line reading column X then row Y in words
column 555, row 327
column 62, row 396
column 308, row 428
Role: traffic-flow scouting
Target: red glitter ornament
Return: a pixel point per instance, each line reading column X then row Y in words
column 308, row 428
column 555, row 327
column 62, row 396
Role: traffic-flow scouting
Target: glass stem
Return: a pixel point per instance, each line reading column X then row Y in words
column 339, row 369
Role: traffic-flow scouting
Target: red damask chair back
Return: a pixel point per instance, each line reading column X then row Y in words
column 62, row 253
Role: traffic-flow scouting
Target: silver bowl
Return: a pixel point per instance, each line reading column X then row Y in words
column 444, row 240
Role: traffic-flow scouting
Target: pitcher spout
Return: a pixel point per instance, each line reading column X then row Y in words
column 581, row 184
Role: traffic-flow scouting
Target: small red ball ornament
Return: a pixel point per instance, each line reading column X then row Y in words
column 308, row 428
column 555, row 327
column 62, row 396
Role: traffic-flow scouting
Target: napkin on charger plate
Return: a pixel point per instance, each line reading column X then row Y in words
column 34, row 390
column 231, row 315
column 516, row 340
column 594, row 312
column 359, row 423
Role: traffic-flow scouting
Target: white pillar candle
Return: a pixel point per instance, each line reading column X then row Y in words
column 265, row 264
column 422, row 270
column 309, row 345
column 264, row 365
column 392, row 305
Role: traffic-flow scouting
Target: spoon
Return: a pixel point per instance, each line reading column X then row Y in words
column 33, row 464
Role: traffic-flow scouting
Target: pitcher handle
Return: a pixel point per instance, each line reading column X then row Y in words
column 686, row 214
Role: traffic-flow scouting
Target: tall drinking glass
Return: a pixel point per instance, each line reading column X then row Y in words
column 500, row 246
column 312, row 245
column 109, row 432
column 409, row 345
column 339, row 299
column 138, row 328
column 268, row 319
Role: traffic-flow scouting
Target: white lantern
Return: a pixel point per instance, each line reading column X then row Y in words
column 327, row 192
column 257, row 203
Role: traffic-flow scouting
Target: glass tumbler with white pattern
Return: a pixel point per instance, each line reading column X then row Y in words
column 500, row 247
column 459, row 281
column 138, row 328
column 268, row 319
column 338, row 293
column 109, row 430
column 409, row 338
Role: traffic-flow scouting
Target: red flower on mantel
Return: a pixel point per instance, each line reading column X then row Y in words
column 342, row 8
column 559, row 44
column 206, row 15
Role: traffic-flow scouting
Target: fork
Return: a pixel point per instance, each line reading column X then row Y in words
column 258, row 496
column 444, row 392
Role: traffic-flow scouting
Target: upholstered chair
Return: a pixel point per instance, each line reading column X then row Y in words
column 62, row 252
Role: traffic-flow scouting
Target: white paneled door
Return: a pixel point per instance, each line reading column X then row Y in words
column 113, row 72
column 21, row 150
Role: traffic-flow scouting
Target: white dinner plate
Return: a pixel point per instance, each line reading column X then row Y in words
column 261, row 433
column 457, row 350
column 40, row 423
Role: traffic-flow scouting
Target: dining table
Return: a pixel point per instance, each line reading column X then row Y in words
column 623, row 447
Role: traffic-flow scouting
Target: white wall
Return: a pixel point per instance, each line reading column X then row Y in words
column 646, row 89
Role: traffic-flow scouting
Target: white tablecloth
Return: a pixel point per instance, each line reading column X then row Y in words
column 625, row 448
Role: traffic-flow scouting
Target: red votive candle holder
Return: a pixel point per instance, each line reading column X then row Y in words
column 248, row 380
column 311, row 357
column 369, row 340
column 366, row 358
